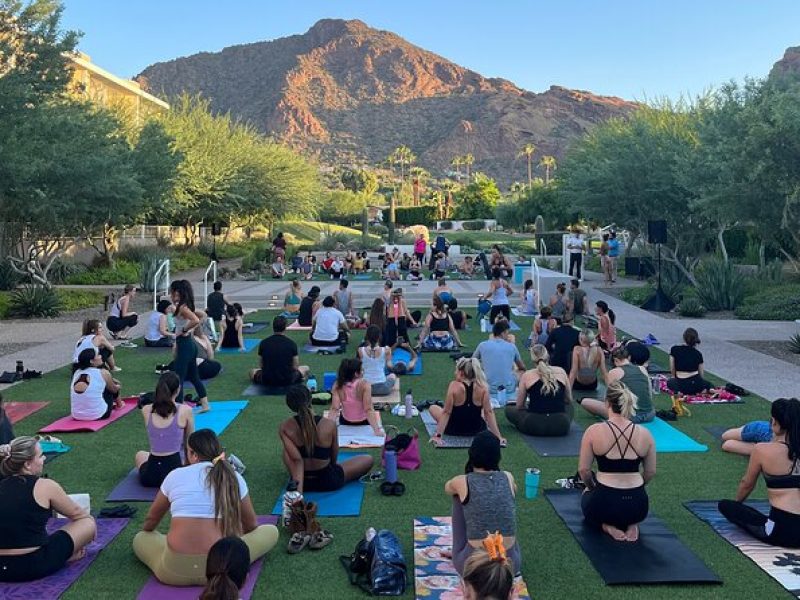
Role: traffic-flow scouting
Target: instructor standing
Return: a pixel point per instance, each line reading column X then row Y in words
column 575, row 248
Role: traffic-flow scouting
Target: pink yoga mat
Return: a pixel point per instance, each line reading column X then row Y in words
column 155, row 590
column 297, row 327
column 68, row 424
column 17, row 411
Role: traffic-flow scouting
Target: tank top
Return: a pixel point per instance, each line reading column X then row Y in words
column 499, row 296
column 542, row 403
column 352, row 407
column 542, row 337
column 489, row 505
column 116, row 311
column 639, row 384
column 165, row 440
column 439, row 324
column 528, row 304
column 559, row 308
column 22, row 520
column 610, row 337
column 320, row 453
column 787, row 481
column 180, row 322
column 374, row 368
column 88, row 405
column 467, row 419
column 231, row 337
column 153, row 326
column 621, row 464
column 86, row 342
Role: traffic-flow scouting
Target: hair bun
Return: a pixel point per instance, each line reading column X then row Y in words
column 5, row 450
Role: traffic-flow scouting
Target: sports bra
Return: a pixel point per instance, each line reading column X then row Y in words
column 620, row 465
column 320, row 452
column 439, row 324
column 790, row 480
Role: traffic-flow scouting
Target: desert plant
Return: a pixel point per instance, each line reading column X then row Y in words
column 9, row 278
column 637, row 295
column 720, row 286
column 34, row 301
column 148, row 272
column 771, row 273
column 138, row 254
column 445, row 225
column 63, row 269
column 474, row 225
column 691, row 307
column 794, row 343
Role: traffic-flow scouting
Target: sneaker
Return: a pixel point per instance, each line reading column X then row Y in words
column 117, row 369
column 127, row 344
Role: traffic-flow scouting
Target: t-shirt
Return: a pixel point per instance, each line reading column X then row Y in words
column 215, row 305
column 153, row 326
column 613, row 247
column 343, row 300
column 575, row 244
column 306, row 308
column 190, row 495
column 337, row 266
column 497, row 358
column 277, row 354
column 560, row 343
column 328, row 321
column 687, row 359
column 578, row 297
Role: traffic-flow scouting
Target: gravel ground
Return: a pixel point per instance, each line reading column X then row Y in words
column 779, row 350
column 11, row 349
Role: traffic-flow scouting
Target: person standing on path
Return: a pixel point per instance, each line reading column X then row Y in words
column 575, row 247
column 605, row 265
column 613, row 256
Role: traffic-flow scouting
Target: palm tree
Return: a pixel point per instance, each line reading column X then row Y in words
column 549, row 164
column 418, row 176
column 457, row 162
column 402, row 155
column 468, row 161
column 527, row 151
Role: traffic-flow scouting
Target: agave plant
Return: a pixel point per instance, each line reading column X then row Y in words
column 794, row 343
column 720, row 286
column 35, row 301
column 691, row 307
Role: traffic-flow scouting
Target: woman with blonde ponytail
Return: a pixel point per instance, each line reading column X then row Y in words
column 208, row 500
column 544, row 400
column 467, row 408
column 615, row 499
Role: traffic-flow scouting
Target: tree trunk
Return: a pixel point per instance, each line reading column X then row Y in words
column 721, row 242
column 392, row 204
column 110, row 243
column 762, row 259
column 530, row 174
column 365, row 227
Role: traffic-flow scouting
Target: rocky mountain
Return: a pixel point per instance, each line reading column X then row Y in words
column 788, row 65
column 351, row 93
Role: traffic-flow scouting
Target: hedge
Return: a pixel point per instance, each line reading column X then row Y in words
column 405, row 216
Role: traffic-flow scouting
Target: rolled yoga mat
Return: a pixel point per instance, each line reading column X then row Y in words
column 657, row 557
column 68, row 424
column 448, row 441
column 565, row 445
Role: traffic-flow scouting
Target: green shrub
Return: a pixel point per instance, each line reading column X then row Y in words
column 122, row 273
column 771, row 307
column 691, row 307
column 415, row 215
column 79, row 299
column 5, row 304
column 637, row 295
column 62, row 269
column 720, row 286
column 446, row 225
column 474, row 225
column 34, row 301
column 771, row 273
column 380, row 230
column 148, row 270
column 794, row 343
column 9, row 278
column 139, row 254
column 592, row 263
column 187, row 260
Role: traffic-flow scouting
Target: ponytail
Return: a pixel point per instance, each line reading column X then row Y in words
column 472, row 370
column 166, row 389
column 786, row 413
column 298, row 399
column 226, row 569
column 219, row 586
column 603, row 306
column 547, row 374
column 621, row 399
column 612, row 317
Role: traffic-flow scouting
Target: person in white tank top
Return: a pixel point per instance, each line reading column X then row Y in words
column 375, row 360
column 93, row 392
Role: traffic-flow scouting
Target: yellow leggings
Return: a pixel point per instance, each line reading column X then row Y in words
column 173, row 568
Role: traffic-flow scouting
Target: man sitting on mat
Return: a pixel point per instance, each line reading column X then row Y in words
column 498, row 358
column 280, row 364
column 615, row 499
column 329, row 327
column 779, row 462
column 483, row 500
column 560, row 343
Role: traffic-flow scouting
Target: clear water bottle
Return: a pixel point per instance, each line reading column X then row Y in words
column 501, row 395
column 312, row 384
column 289, row 497
column 370, row 534
column 409, row 403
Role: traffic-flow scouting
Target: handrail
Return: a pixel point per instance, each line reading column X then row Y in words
column 164, row 266
column 536, row 277
column 212, row 266
column 542, row 247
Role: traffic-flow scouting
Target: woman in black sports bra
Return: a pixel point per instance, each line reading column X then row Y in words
column 615, row 498
column 779, row 462
column 311, row 448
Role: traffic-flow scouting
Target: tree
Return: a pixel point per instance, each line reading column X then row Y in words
column 468, row 160
column 360, row 181
column 548, row 163
column 479, row 199
column 527, row 151
column 521, row 208
column 402, row 156
column 457, row 162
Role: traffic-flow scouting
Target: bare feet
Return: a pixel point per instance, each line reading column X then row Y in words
column 204, row 407
column 78, row 554
column 632, row 533
column 615, row 533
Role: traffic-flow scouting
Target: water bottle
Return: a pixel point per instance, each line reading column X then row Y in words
column 20, row 370
column 312, row 384
column 391, row 466
column 532, row 483
column 409, row 402
column 501, row 395
column 289, row 497
column 370, row 534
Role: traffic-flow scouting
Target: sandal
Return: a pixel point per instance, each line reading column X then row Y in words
column 48, row 438
column 387, row 488
column 298, row 542
column 398, row 488
column 320, row 539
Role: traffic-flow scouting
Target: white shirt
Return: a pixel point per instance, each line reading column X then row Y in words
column 337, row 265
column 86, row 342
column 374, row 368
column 188, row 493
column 575, row 244
column 88, row 405
column 153, row 326
column 328, row 320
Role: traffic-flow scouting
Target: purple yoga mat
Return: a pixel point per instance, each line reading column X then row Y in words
column 155, row 590
column 130, row 490
column 53, row 586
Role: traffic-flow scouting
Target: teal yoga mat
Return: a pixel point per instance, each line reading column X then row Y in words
column 249, row 344
column 344, row 502
column 220, row 416
column 401, row 355
column 670, row 439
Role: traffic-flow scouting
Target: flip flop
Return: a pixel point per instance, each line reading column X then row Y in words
column 298, row 542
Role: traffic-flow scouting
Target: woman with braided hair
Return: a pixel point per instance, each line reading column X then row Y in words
column 488, row 573
column 27, row 501
column 208, row 500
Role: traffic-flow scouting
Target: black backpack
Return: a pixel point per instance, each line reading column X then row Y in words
column 378, row 566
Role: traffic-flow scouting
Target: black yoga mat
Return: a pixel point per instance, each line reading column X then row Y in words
column 658, row 557
column 565, row 445
column 716, row 431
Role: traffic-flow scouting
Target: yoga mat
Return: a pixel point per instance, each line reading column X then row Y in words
column 71, row 425
column 297, row 327
column 361, row 277
column 358, row 436
column 256, row 389
column 143, row 348
column 55, row 585
column 130, row 490
column 344, row 502
column 254, row 327
column 52, row 450
column 669, row 439
column 716, row 431
column 16, row 411
column 403, row 355
column 249, row 344
column 392, row 397
column 448, row 441
column 568, row 445
column 658, row 557
column 311, row 349
column 155, row 590
column 435, row 577
column 782, row 564
column 518, row 313
column 220, row 416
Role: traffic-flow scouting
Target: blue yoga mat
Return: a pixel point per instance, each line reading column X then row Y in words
column 249, row 344
column 669, row 439
column 345, row 502
column 401, row 355
column 513, row 326
column 220, row 416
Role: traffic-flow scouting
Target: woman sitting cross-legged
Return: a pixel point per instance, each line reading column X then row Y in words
column 467, row 408
column 779, row 462
column 439, row 332
column 311, row 448
column 93, row 392
column 483, row 500
column 226, row 569
column 686, row 366
column 615, row 499
column 352, row 397
column 376, row 359
column 27, row 501
column 168, row 426
column 92, row 337
column 208, row 500
column 158, row 333
column 587, row 360
column 293, row 300
column 489, row 573
column 231, row 335
column 549, row 410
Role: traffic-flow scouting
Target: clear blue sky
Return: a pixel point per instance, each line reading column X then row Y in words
column 635, row 49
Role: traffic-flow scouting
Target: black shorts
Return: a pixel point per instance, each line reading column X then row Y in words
column 327, row 479
column 590, row 387
column 40, row 563
column 156, row 468
column 343, row 421
column 618, row 507
column 115, row 324
column 258, row 378
column 690, row 385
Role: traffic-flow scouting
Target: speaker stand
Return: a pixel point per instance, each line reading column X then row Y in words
column 660, row 302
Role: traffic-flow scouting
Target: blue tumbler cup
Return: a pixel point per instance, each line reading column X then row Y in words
column 531, row 483
column 391, row 466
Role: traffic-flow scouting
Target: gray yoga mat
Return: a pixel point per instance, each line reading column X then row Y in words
column 264, row 390
column 716, row 431
column 448, row 441
column 131, row 490
column 566, row 445
column 255, row 327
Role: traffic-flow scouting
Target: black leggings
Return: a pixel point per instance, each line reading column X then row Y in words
column 541, row 424
column 185, row 365
column 785, row 530
column 110, row 398
column 617, row 507
column 40, row 563
column 503, row 309
column 690, row 385
column 156, row 468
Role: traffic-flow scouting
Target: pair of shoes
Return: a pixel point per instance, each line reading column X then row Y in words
column 161, row 368
column 305, row 528
column 393, row 488
column 31, row 374
column 372, row 477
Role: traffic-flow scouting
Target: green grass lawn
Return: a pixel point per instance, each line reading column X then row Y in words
column 553, row 564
